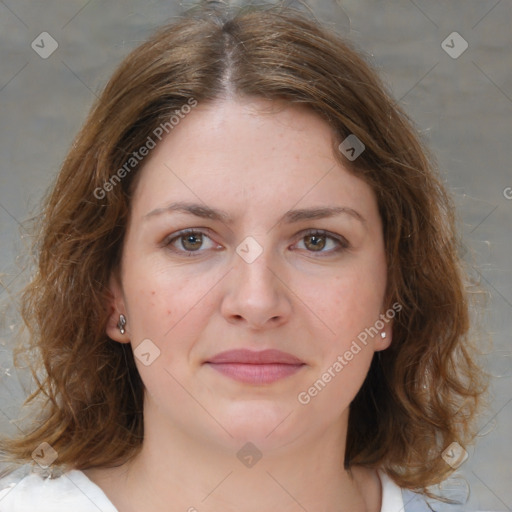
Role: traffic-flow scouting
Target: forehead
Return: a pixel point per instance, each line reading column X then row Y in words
column 247, row 153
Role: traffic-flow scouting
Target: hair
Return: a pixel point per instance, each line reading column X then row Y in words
column 420, row 395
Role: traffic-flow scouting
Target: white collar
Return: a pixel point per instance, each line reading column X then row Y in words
column 76, row 487
column 392, row 500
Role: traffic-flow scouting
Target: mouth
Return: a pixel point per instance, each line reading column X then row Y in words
column 264, row 367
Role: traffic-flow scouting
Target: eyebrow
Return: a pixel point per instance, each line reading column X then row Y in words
column 290, row 217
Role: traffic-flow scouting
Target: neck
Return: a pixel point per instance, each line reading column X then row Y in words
column 174, row 472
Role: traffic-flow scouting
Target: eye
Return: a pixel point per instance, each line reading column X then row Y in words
column 188, row 242
column 317, row 240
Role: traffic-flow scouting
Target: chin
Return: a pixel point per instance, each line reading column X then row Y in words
column 260, row 421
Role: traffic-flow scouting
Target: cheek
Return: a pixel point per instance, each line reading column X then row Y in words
column 346, row 303
column 349, row 306
column 331, row 392
column 166, row 305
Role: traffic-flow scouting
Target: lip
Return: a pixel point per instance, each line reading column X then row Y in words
column 244, row 356
column 263, row 367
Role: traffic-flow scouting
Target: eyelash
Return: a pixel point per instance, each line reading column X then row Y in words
column 341, row 241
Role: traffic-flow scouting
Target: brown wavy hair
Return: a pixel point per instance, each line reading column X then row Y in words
column 420, row 395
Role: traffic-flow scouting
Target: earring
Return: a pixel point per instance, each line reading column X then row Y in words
column 121, row 324
column 383, row 335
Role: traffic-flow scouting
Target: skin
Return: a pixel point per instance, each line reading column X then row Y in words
column 256, row 162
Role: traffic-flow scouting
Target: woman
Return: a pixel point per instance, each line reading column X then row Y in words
column 248, row 293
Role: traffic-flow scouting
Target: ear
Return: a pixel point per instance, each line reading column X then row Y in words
column 116, row 307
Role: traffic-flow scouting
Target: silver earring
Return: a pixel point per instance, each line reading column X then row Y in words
column 383, row 335
column 121, row 324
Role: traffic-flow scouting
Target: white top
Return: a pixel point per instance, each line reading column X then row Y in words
column 73, row 491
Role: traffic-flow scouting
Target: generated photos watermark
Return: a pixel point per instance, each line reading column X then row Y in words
column 45, row 455
column 304, row 397
column 137, row 156
column 351, row 147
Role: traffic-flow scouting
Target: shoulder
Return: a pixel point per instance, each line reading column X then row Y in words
column 26, row 490
column 415, row 502
column 397, row 499
column 406, row 500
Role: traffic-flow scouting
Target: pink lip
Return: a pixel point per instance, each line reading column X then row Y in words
column 262, row 367
column 244, row 356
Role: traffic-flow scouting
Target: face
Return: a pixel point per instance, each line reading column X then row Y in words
column 283, row 251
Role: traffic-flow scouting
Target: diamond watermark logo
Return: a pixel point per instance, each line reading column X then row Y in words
column 351, row 147
column 249, row 455
column 249, row 250
column 454, row 45
column 44, row 455
column 454, row 455
column 44, row 45
column 146, row 352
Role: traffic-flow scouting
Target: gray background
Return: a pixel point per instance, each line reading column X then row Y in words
column 462, row 106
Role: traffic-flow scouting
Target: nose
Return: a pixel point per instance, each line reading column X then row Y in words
column 256, row 293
